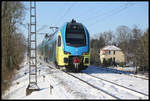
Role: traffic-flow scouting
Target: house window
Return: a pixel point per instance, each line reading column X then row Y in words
column 104, row 60
column 114, row 59
column 114, row 52
column 109, row 51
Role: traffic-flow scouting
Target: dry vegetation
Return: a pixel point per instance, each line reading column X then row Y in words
column 134, row 43
column 13, row 42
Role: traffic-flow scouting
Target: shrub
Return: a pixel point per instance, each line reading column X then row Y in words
column 121, row 64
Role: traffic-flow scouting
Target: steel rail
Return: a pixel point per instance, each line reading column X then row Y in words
column 103, row 91
column 120, row 86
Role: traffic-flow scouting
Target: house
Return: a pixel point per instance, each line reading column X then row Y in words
column 112, row 52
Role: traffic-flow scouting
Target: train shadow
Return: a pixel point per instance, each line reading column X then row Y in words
column 103, row 70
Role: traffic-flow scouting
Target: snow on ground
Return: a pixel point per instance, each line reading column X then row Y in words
column 18, row 91
column 138, row 84
column 109, row 87
column 67, row 87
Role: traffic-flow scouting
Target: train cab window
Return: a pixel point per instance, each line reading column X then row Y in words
column 75, row 35
column 59, row 41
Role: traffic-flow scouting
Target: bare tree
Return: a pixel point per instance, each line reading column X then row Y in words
column 108, row 37
column 142, row 51
column 12, row 16
column 123, row 37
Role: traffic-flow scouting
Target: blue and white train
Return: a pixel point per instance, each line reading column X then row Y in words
column 69, row 47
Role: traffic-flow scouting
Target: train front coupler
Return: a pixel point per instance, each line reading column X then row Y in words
column 76, row 63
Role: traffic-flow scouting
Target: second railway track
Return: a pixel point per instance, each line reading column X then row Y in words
column 124, row 72
column 136, row 94
column 109, row 96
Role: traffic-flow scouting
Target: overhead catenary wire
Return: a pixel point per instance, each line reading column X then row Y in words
column 91, row 10
column 41, row 28
column 102, row 14
column 112, row 14
column 88, row 12
column 66, row 12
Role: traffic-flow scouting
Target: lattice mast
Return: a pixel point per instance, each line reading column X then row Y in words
column 32, row 48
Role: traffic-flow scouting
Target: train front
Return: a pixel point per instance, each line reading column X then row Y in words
column 76, row 46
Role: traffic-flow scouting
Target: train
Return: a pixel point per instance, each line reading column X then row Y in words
column 68, row 47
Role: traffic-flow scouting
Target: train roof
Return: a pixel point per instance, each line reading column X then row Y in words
column 66, row 26
column 74, row 24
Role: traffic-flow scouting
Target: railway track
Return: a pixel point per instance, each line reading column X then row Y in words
column 123, row 72
column 135, row 93
column 109, row 94
column 138, row 94
column 101, row 90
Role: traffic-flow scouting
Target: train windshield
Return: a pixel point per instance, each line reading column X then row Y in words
column 75, row 35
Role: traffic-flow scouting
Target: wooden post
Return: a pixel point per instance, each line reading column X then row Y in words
column 51, row 87
column 43, row 78
column 39, row 72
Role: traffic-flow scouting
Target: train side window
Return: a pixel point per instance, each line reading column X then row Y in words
column 59, row 41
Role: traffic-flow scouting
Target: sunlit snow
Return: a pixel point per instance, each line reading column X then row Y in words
column 67, row 87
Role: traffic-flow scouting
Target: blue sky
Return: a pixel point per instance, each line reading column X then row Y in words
column 96, row 16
